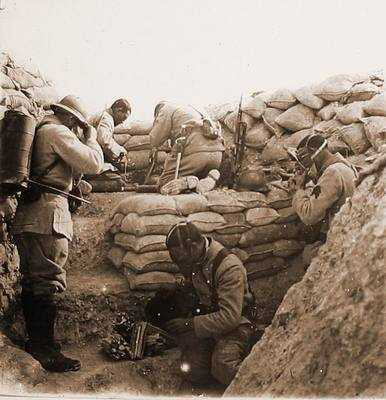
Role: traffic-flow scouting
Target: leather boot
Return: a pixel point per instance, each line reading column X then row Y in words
column 39, row 314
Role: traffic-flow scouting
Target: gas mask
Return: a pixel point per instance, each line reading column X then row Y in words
column 307, row 155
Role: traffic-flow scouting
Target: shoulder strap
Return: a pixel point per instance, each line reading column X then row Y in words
column 220, row 257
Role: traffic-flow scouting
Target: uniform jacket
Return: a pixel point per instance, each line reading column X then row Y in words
column 104, row 124
column 336, row 182
column 50, row 214
column 167, row 125
column 232, row 290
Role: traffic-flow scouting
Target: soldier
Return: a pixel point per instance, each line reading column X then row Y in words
column 335, row 183
column 42, row 226
column 203, row 145
column 217, row 341
column 104, row 123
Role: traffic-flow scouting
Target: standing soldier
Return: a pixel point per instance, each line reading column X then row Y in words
column 335, row 183
column 43, row 225
column 105, row 123
column 217, row 341
column 203, row 144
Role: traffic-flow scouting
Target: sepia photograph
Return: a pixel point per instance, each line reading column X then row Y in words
column 192, row 199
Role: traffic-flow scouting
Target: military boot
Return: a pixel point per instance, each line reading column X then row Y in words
column 39, row 314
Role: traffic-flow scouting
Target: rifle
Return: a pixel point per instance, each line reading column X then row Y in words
column 239, row 149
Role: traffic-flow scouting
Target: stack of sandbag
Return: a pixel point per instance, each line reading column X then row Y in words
column 134, row 137
column 24, row 88
column 348, row 110
column 261, row 228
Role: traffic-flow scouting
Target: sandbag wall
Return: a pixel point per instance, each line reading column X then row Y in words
column 262, row 229
column 24, row 88
column 134, row 137
column 348, row 110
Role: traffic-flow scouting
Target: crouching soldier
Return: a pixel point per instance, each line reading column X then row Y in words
column 202, row 142
column 105, row 123
column 216, row 342
column 42, row 225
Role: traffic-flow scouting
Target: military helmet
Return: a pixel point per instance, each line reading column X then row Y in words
column 72, row 105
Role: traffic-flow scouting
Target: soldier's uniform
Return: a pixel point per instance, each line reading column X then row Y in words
column 200, row 155
column 320, row 203
column 104, row 124
column 42, row 229
column 221, row 338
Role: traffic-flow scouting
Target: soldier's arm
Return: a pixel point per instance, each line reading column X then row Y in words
column 110, row 147
column 161, row 130
column 84, row 158
column 231, row 287
column 311, row 205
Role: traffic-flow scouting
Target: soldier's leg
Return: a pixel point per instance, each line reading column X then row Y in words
column 42, row 265
column 229, row 352
column 198, row 164
column 195, row 358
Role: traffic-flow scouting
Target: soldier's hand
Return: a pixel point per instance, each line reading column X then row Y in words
column 179, row 325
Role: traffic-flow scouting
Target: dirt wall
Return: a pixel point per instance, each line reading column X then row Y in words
column 327, row 337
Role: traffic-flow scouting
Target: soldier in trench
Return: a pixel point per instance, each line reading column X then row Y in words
column 216, row 341
column 105, row 123
column 42, row 226
column 203, row 146
column 317, row 204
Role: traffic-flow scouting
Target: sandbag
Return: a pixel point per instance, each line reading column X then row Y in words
column 206, row 221
column 336, row 87
column 328, row 112
column 337, row 145
column 4, row 59
column 269, row 264
column 218, row 111
column 328, row 128
column 114, row 223
column 261, row 216
column 122, row 138
column 227, row 240
column 223, row 202
column 149, row 225
column 269, row 233
column 306, row 96
column 278, row 198
column 6, row 82
column 376, row 106
column 134, row 127
column 147, row 204
column 231, row 119
column 251, row 179
column 234, row 223
column 43, row 96
column 294, row 139
column 362, row 91
column 250, row 200
column 286, row 248
column 190, row 203
column 147, row 262
column 154, row 281
column 254, row 107
column 257, row 136
column 139, row 159
column 375, row 130
column 286, row 214
column 274, row 151
column 115, row 255
column 23, row 78
column 350, row 113
column 354, row 136
column 269, row 119
column 296, row 118
column 259, row 252
column 281, row 99
column 143, row 244
column 138, row 143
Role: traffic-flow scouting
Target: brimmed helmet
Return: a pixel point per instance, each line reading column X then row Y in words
column 72, row 105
